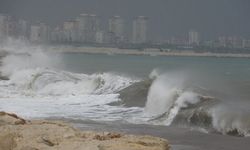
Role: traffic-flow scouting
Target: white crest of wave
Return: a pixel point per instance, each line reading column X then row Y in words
column 51, row 82
column 167, row 96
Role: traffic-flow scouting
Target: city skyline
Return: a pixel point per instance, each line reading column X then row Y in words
column 86, row 29
column 168, row 18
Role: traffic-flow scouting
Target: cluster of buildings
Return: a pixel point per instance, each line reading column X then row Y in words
column 193, row 39
column 86, row 28
column 11, row 27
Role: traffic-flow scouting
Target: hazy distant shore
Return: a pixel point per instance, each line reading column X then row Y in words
column 149, row 52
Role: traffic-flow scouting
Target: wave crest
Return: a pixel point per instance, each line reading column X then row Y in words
column 50, row 82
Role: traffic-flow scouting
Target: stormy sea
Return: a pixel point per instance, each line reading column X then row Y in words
column 194, row 102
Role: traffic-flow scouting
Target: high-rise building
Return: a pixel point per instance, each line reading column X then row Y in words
column 57, row 35
column 83, row 27
column 88, row 27
column 70, row 30
column 246, row 43
column 22, row 29
column 11, row 27
column 140, row 30
column 35, row 33
column 39, row 33
column 193, row 37
column 3, row 25
column 116, row 28
column 222, row 41
column 45, row 32
column 93, row 28
column 100, row 37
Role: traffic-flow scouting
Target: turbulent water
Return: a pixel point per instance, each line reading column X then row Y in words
column 42, row 85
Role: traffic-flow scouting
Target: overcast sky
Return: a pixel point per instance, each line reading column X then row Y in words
column 166, row 17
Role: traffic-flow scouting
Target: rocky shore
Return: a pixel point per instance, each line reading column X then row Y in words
column 19, row 134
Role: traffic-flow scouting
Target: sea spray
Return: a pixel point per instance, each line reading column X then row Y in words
column 184, row 100
column 155, row 74
column 161, row 96
column 34, row 70
column 231, row 120
column 34, row 59
column 167, row 95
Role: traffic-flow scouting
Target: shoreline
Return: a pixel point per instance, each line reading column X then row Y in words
column 146, row 52
column 57, row 133
column 180, row 138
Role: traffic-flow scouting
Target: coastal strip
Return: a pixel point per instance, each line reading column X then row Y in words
column 118, row 51
column 147, row 51
column 19, row 134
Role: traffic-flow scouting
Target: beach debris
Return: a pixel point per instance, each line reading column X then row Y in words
column 47, row 141
column 107, row 136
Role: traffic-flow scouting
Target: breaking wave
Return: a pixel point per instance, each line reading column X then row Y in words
column 168, row 99
column 38, row 86
column 36, row 72
column 51, row 82
column 171, row 101
column 162, row 99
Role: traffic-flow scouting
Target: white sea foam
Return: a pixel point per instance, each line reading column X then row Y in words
column 43, row 93
column 50, row 82
column 94, row 107
column 38, row 88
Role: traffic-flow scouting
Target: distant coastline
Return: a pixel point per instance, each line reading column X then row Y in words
column 146, row 51
column 149, row 52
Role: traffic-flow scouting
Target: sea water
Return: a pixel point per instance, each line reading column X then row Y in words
column 206, row 93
